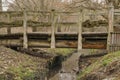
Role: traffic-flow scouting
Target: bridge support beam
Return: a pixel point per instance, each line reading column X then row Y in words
column 80, row 30
column 25, row 38
column 111, row 23
column 53, row 21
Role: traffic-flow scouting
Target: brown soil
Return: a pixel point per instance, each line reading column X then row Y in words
column 85, row 62
column 17, row 65
column 110, row 72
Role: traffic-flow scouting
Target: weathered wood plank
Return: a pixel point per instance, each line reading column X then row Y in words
column 84, row 34
column 117, row 11
column 25, row 38
column 111, row 23
column 117, row 14
column 42, row 11
column 80, row 30
column 53, row 20
column 97, row 13
column 59, row 44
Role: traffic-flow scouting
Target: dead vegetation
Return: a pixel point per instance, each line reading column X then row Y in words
column 89, row 23
column 104, row 68
column 21, row 66
column 18, row 66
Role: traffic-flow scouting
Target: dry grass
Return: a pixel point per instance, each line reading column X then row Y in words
column 100, row 65
column 18, row 65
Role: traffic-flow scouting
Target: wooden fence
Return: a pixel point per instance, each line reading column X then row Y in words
column 43, row 21
column 113, row 34
column 38, row 21
column 51, row 21
column 114, row 42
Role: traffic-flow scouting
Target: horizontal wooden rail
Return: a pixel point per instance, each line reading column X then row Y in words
column 37, row 43
column 117, row 14
column 38, row 11
column 87, row 34
column 98, row 13
column 117, row 11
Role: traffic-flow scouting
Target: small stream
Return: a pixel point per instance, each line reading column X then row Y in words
column 67, row 76
column 67, row 69
column 53, row 70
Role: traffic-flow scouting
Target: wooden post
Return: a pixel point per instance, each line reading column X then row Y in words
column 59, row 25
column 25, row 39
column 53, row 21
column 8, row 20
column 80, row 30
column 111, row 23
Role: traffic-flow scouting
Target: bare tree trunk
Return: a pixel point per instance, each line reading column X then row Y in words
column 0, row 5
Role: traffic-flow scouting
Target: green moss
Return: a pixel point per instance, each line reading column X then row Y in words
column 93, row 51
column 106, row 60
column 21, row 73
column 18, row 23
column 62, row 51
column 18, row 66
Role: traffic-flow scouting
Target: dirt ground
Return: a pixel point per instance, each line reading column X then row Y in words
column 18, row 66
column 104, row 68
column 108, row 73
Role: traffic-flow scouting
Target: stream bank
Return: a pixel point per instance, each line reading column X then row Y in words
column 30, row 64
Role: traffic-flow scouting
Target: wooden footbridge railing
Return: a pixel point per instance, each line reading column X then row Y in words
column 53, row 36
column 23, row 29
column 62, row 40
column 113, row 34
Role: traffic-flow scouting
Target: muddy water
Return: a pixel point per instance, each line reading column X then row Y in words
column 67, row 76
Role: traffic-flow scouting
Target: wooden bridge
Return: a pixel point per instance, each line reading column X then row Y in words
column 54, row 38
column 62, row 40
column 28, row 34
